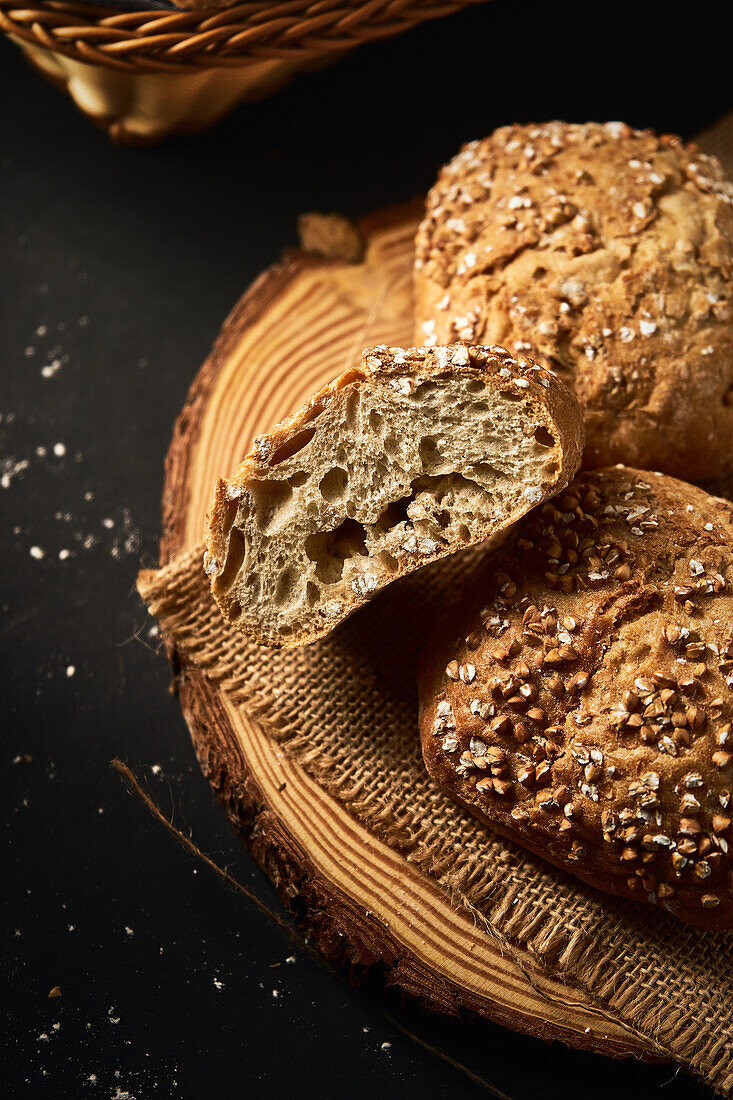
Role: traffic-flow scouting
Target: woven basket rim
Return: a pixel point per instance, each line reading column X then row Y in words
column 192, row 39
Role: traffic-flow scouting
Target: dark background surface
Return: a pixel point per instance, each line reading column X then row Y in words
column 117, row 268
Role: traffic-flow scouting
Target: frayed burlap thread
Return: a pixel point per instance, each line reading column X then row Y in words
column 345, row 709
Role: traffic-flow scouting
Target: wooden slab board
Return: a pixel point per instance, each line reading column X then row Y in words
column 302, row 323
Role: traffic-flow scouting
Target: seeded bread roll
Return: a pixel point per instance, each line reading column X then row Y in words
column 418, row 454
column 606, row 254
column 580, row 702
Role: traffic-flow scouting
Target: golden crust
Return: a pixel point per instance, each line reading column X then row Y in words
column 581, row 701
column 554, row 404
column 606, row 254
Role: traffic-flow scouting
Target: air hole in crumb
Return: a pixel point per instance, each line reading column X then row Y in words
column 312, row 594
column 352, row 407
column 478, row 407
column 285, row 584
column 329, row 549
column 424, row 390
column 463, row 533
column 539, row 272
column 391, row 445
column 443, row 519
column 475, row 386
column 429, row 453
column 544, row 438
column 234, row 559
column 350, row 509
column 298, row 479
column 316, row 408
column 511, row 395
column 333, row 484
column 290, row 447
column 394, row 513
column 235, row 610
column 231, row 511
column 349, row 539
column 328, row 569
column 376, row 420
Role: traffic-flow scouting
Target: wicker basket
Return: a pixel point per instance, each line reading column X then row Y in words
column 144, row 75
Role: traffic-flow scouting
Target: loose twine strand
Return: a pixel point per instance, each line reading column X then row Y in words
column 136, row 789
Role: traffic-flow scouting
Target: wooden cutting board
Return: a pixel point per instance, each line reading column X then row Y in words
column 303, row 322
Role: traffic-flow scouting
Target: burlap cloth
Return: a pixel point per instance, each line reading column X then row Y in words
column 346, row 710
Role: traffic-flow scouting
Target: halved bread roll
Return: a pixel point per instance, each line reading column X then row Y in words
column 418, row 454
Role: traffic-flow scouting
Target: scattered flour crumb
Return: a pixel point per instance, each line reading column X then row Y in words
column 10, row 468
column 70, row 670
column 119, row 536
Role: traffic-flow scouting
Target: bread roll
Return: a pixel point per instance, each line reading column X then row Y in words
column 606, row 254
column 417, row 454
column 580, row 702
